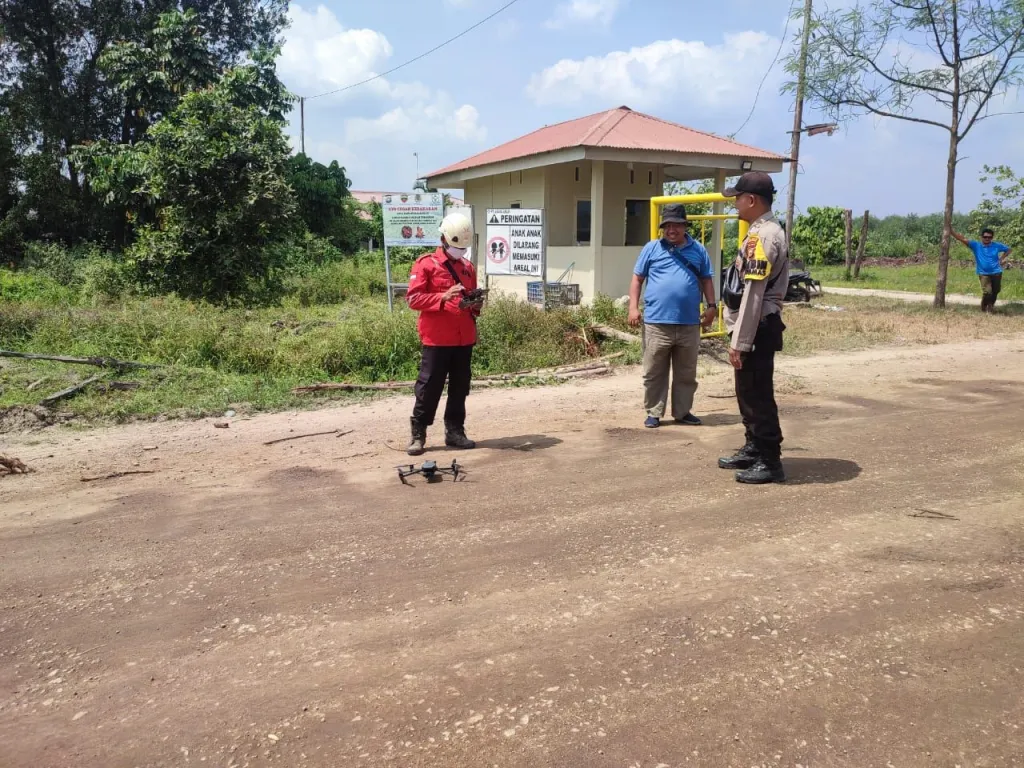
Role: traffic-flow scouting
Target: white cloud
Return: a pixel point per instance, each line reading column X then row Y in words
column 719, row 76
column 319, row 54
column 383, row 122
column 575, row 12
column 437, row 119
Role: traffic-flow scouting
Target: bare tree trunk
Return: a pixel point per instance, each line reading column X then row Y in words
column 947, row 221
column 861, row 244
column 848, row 223
column 954, row 146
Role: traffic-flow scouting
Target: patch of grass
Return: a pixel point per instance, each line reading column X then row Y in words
column 919, row 278
column 214, row 358
column 869, row 321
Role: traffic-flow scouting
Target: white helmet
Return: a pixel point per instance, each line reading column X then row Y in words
column 457, row 230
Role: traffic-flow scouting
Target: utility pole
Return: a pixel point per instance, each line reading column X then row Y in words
column 798, row 120
column 302, row 123
column 417, row 156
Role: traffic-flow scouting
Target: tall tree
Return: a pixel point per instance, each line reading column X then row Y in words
column 938, row 63
column 213, row 170
column 57, row 95
column 325, row 203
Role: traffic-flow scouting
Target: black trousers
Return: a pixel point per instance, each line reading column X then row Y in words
column 755, row 389
column 990, row 286
column 436, row 365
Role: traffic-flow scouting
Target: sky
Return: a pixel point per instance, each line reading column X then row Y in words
column 544, row 61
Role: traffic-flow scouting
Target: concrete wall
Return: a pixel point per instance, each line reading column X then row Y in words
column 562, row 193
column 559, row 260
column 617, row 270
column 618, row 189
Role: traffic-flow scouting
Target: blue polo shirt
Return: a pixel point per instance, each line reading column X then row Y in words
column 672, row 294
column 986, row 257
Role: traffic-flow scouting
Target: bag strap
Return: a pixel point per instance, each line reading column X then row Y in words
column 453, row 273
column 682, row 260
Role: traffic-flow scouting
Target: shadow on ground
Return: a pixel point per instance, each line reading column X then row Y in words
column 524, row 443
column 820, row 471
column 720, row 419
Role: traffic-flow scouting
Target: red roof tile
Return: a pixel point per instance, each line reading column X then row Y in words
column 620, row 128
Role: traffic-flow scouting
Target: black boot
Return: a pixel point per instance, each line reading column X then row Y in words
column 744, row 458
column 418, row 443
column 455, row 437
column 763, row 472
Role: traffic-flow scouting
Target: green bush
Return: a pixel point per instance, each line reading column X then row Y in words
column 819, row 236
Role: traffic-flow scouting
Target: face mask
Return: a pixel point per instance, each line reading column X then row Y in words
column 456, row 253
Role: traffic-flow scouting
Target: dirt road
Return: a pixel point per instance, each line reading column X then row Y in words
column 593, row 595
column 920, row 298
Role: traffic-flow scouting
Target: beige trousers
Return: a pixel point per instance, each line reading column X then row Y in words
column 665, row 347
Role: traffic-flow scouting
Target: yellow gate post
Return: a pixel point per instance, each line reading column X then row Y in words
column 705, row 197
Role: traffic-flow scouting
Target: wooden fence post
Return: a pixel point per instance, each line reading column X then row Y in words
column 861, row 245
column 848, row 222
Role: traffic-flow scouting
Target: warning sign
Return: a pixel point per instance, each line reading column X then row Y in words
column 515, row 241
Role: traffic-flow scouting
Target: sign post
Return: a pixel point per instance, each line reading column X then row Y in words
column 410, row 219
column 516, row 242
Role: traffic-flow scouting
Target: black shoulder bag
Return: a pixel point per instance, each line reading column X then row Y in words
column 734, row 285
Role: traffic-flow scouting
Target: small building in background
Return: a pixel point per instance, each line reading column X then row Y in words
column 594, row 177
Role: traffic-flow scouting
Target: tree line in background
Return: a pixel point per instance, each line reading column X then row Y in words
column 155, row 131
column 819, row 233
column 147, row 136
column 939, row 63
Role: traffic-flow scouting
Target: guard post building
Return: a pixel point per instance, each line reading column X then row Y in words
column 594, row 178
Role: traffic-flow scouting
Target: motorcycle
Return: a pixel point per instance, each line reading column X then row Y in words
column 802, row 287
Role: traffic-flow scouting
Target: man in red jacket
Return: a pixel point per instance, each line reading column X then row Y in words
column 438, row 288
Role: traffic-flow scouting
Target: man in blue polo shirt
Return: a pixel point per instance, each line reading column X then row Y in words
column 677, row 270
column 989, row 257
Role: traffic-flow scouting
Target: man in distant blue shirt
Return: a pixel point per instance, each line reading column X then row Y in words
column 989, row 257
column 677, row 271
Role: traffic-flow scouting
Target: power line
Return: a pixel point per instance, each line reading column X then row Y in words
column 782, row 43
column 421, row 56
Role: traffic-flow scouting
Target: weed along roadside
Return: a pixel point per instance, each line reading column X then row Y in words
column 212, row 359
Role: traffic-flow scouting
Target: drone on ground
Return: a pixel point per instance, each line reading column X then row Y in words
column 430, row 470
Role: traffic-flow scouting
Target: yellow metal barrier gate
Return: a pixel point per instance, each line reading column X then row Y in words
column 709, row 197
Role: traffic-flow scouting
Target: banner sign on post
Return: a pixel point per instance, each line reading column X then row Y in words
column 515, row 241
column 412, row 219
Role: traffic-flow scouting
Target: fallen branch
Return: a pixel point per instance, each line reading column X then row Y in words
column 493, row 381
column 344, row 386
column 70, row 390
column 113, row 475
column 336, row 432
column 600, row 365
column 12, row 466
column 101, row 362
column 542, row 372
column 119, row 386
column 35, row 384
column 541, row 378
column 614, row 333
column 931, row 514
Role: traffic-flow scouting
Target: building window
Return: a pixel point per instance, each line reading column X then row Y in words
column 520, row 177
column 638, row 222
column 577, row 173
column 583, row 222
column 516, row 204
column 632, row 177
column 650, row 178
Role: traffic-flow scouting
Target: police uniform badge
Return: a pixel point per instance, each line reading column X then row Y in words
column 757, row 267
